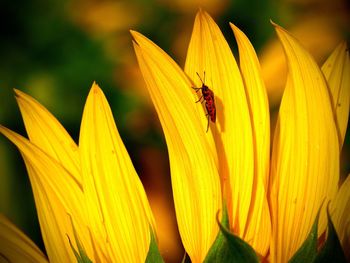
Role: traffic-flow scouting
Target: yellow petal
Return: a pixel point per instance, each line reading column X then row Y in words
column 336, row 70
column 305, row 159
column 47, row 133
column 193, row 164
column 208, row 51
column 339, row 209
column 318, row 34
column 258, row 230
column 15, row 246
column 118, row 210
column 57, row 195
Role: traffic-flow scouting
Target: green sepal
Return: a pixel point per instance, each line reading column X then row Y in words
column 308, row 250
column 228, row 247
column 332, row 250
column 153, row 255
column 80, row 254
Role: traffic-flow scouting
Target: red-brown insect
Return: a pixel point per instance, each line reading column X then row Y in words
column 208, row 98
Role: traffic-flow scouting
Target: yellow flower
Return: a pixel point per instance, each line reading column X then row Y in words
column 91, row 189
column 271, row 208
column 91, row 192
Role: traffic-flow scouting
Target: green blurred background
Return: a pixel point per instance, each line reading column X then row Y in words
column 54, row 50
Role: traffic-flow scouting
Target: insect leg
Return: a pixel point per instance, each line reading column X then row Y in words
column 199, row 99
column 208, row 123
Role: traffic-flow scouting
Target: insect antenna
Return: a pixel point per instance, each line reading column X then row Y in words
column 201, row 78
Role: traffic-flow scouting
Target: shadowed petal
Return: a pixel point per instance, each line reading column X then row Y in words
column 118, row 210
column 56, row 197
column 258, row 228
column 47, row 133
column 194, row 174
column 337, row 72
column 15, row 246
column 339, row 209
column 208, row 51
column 305, row 159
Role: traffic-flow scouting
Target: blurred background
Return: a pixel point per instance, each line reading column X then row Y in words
column 54, row 50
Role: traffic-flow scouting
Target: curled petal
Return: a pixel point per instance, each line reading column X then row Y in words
column 319, row 34
column 305, row 159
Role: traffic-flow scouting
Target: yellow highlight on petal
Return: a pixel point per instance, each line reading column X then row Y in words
column 258, row 227
column 46, row 132
column 208, row 51
column 193, row 164
column 56, row 195
column 95, row 187
column 118, row 211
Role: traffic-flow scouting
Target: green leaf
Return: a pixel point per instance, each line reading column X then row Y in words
column 80, row 254
column 153, row 255
column 332, row 250
column 308, row 250
column 228, row 247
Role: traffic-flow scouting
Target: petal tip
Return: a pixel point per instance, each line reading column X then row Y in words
column 4, row 130
column 202, row 14
column 277, row 27
column 21, row 96
column 234, row 28
column 136, row 36
column 132, row 33
column 18, row 93
column 273, row 23
column 95, row 87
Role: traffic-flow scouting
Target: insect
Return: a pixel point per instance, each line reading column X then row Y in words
column 208, row 98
